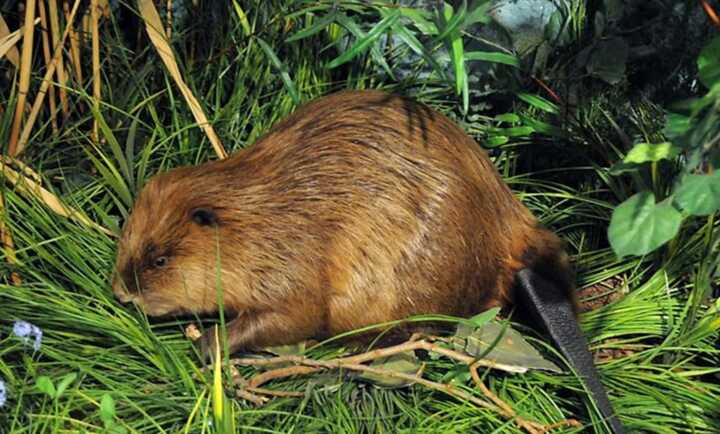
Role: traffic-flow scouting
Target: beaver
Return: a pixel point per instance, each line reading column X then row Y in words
column 359, row 208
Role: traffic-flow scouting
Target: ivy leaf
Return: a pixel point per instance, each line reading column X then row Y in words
column 646, row 152
column 639, row 225
column 699, row 194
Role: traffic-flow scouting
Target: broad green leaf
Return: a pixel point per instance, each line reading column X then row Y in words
column 538, row 102
column 495, row 141
column 699, row 194
column 282, row 69
column 494, row 57
column 518, row 131
column 510, row 118
column 405, row 363
column 46, row 386
column 676, row 125
column 646, row 152
column 483, row 318
column 511, row 352
column 362, row 44
column 709, row 63
column 639, row 225
column 107, row 409
column 65, row 382
column 542, row 127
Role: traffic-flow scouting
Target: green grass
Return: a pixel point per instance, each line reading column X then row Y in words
column 664, row 378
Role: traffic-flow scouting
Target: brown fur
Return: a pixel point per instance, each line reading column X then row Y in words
column 361, row 207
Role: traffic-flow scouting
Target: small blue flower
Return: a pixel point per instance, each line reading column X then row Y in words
column 25, row 331
column 3, row 394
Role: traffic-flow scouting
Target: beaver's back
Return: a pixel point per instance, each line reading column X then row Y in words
column 382, row 208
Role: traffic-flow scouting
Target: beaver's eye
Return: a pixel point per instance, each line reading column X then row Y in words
column 161, row 261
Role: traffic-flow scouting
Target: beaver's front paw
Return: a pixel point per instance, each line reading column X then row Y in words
column 209, row 343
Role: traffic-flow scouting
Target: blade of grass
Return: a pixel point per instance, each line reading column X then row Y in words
column 362, row 44
column 282, row 69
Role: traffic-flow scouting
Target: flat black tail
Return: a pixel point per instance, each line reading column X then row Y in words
column 549, row 306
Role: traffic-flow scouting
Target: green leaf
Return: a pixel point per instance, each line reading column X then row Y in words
column 451, row 21
column 510, row 353
column 676, row 125
column 699, row 194
column 46, row 386
column 538, row 102
column 107, row 409
column 646, row 152
column 453, row 40
column 419, row 17
column 483, row 318
column 518, row 131
column 494, row 57
column 65, row 382
column 495, row 141
column 411, row 41
column 320, row 25
column 282, row 68
column 405, row 363
column 709, row 63
column 510, row 118
column 639, row 225
column 375, row 53
column 242, row 17
column 363, row 43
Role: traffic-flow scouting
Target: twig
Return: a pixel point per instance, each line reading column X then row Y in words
column 303, row 365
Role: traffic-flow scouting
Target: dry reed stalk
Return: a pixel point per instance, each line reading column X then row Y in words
column 74, row 47
column 29, row 186
column 45, row 83
column 168, row 27
column 12, row 52
column 94, row 22
column 154, row 27
column 61, row 76
column 46, row 55
column 25, row 71
column 7, row 244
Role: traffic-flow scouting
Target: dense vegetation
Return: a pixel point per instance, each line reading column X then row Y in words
column 587, row 108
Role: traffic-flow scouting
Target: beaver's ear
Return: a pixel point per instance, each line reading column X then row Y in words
column 204, row 216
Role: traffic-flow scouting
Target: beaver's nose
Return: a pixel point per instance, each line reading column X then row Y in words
column 120, row 291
